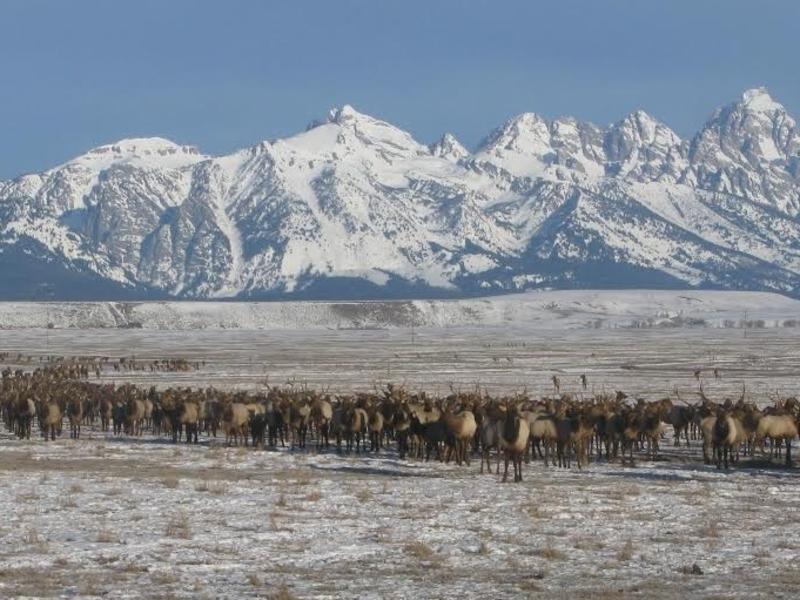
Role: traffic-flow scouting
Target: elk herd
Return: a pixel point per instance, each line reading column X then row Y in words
column 561, row 430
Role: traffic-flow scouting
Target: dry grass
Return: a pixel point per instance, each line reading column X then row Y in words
column 106, row 536
column 131, row 567
column 709, row 530
column 364, row 495
column 588, row 544
column 535, row 512
column 216, row 488
column 171, row 482
column 282, row 592
column 178, row 526
column 626, row 552
column 303, row 478
column 419, row 550
column 28, row 496
column 67, row 501
column 161, row 578
column 31, row 537
column 548, row 552
column 314, row 496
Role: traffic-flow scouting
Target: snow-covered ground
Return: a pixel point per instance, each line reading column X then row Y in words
column 543, row 310
column 500, row 358
column 121, row 518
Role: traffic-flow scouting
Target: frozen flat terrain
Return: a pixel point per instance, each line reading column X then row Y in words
column 121, row 517
column 649, row 362
column 106, row 517
column 541, row 310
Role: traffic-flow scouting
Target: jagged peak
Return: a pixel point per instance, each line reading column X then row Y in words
column 346, row 114
column 759, row 100
column 646, row 125
column 448, row 146
column 513, row 128
column 640, row 116
column 526, row 119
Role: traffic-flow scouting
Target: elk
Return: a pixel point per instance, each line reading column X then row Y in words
column 779, row 428
column 489, row 435
column 189, row 419
column 461, row 427
column 543, row 432
column 51, row 420
column 514, row 441
column 134, row 416
column 375, row 426
column 106, row 413
column 680, row 417
column 75, row 416
column 321, row 415
column 402, row 427
column 296, row 417
column 24, row 413
column 354, row 422
column 235, row 423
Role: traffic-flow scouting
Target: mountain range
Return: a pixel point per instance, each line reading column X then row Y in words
column 355, row 207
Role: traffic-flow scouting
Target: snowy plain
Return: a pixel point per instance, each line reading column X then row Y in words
column 540, row 310
column 127, row 518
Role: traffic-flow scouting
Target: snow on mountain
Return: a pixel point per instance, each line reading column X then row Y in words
column 640, row 147
column 450, row 148
column 355, row 206
column 750, row 148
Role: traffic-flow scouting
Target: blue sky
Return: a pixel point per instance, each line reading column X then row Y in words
column 226, row 74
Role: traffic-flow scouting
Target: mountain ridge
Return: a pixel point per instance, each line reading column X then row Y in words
column 356, row 207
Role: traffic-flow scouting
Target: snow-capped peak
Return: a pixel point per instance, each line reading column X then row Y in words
column 344, row 114
column 645, row 128
column 359, row 129
column 759, row 100
column 449, row 147
column 542, row 203
column 146, row 152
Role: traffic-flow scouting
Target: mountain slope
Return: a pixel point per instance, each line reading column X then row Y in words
column 354, row 206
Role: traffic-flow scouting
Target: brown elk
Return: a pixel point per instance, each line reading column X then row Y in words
column 51, row 420
column 321, row 415
column 514, row 441
column 134, row 416
column 354, row 423
column 461, row 427
column 235, row 423
column 24, row 413
column 726, row 435
column 106, row 408
column 779, row 428
column 75, row 407
column 375, row 422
